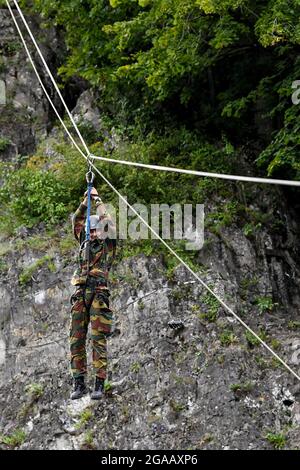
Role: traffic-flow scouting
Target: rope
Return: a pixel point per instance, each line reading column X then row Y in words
column 153, row 231
column 250, row 179
column 88, row 221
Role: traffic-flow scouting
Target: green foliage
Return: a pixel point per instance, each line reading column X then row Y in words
column 163, row 64
column 4, row 267
column 223, row 218
column 176, row 406
column 252, row 340
column 176, row 86
column 107, row 386
column 15, row 439
column 88, row 440
column 251, row 229
column 278, row 440
column 242, row 387
column 227, row 338
column 40, row 190
column 34, row 391
column 262, row 363
column 28, row 272
column 275, row 344
column 281, row 156
column 265, row 304
column 84, row 418
column 294, row 325
column 212, row 305
column 31, row 197
column 67, row 243
column 135, row 367
column 4, row 143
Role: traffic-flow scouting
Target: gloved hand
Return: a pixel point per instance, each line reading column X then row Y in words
column 94, row 195
column 94, row 192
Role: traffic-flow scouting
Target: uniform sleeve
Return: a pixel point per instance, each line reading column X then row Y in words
column 78, row 221
column 111, row 249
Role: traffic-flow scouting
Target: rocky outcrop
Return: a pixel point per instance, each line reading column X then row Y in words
column 25, row 114
column 203, row 387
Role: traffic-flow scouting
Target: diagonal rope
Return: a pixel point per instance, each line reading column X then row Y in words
column 153, row 231
column 250, row 179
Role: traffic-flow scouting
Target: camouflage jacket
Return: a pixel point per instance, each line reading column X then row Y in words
column 102, row 253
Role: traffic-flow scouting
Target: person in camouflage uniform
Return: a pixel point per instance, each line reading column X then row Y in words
column 90, row 301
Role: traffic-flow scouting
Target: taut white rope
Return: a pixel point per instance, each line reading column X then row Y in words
column 250, row 179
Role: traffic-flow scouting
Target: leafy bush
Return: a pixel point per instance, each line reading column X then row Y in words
column 34, row 196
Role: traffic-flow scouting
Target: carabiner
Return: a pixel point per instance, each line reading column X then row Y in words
column 90, row 176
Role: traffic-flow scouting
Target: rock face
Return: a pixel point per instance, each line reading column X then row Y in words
column 202, row 387
column 24, row 110
column 86, row 112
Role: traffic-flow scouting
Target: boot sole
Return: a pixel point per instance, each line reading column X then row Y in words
column 96, row 398
column 79, row 396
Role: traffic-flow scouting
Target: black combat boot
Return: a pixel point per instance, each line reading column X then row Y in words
column 80, row 388
column 99, row 389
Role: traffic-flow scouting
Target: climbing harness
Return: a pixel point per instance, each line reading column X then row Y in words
column 87, row 157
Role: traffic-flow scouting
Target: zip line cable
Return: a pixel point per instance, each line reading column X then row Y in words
column 138, row 215
column 250, row 179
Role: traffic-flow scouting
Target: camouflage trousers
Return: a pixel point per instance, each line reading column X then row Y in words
column 90, row 305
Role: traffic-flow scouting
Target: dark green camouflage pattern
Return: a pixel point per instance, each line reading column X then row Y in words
column 102, row 252
column 90, row 306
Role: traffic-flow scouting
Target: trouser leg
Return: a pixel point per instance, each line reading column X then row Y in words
column 78, row 331
column 101, row 323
